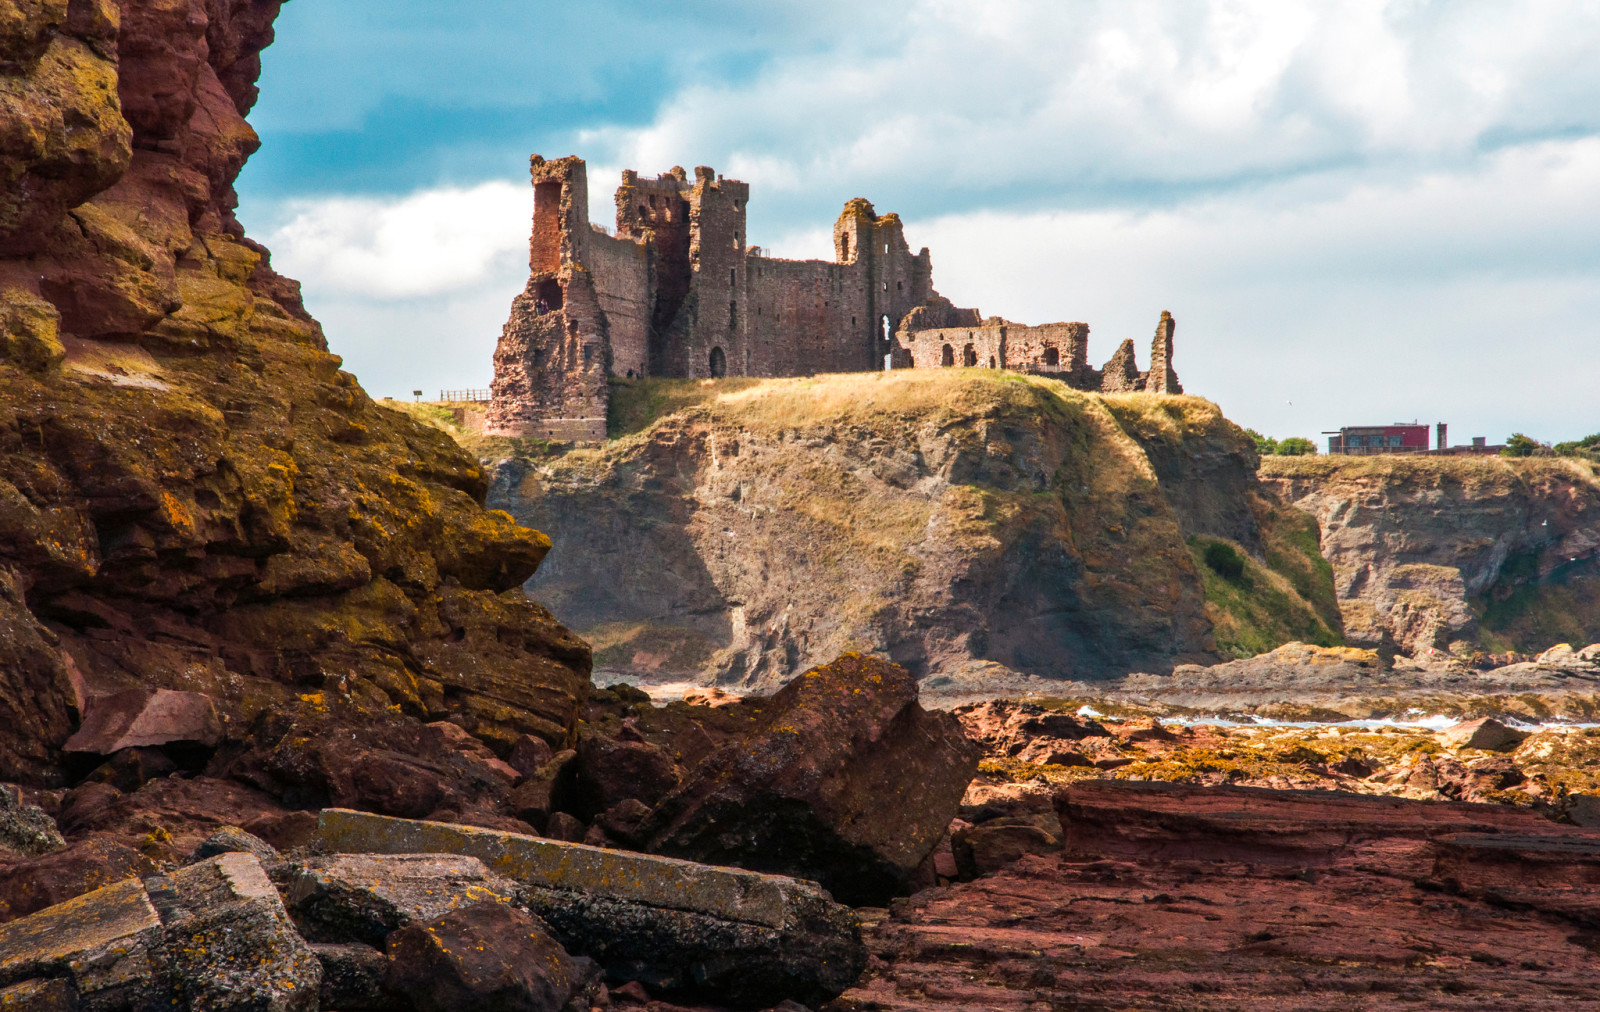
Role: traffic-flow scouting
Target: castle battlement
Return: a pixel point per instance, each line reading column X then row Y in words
column 676, row 290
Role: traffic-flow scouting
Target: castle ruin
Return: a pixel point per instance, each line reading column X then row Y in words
column 678, row 292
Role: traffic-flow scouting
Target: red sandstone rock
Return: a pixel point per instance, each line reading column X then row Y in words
column 845, row 780
column 35, row 883
column 1211, row 899
column 140, row 717
column 204, row 502
column 488, row 956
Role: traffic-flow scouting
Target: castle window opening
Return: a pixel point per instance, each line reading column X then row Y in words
column 969, row 356
column 549, row 298
column 1052, row 357
column 733, row 314
column 899, row 286
column 844, row 245
column 540, row 356
column 991, row 361
column 642, row 212
column 733, row 276
column 886, row 286
column 885, row 321
column 719, row 363
column 886, row 247
column 588, row 354
column 947, row 356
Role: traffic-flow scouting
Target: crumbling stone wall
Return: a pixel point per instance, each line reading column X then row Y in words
column 678, row 291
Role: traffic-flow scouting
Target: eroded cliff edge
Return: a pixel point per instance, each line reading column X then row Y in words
column 741, row 530
column 193, row 495
column 1460, row 553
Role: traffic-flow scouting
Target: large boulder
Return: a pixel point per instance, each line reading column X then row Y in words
column 728, row 935
column 845, row 779
column 490, row 956
column 138, row 717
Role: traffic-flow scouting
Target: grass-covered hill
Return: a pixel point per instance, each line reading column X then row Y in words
column 748, row 528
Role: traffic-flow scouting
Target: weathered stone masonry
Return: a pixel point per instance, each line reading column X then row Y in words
column 678, row 291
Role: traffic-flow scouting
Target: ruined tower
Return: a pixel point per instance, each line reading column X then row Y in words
column 678, row 291
column 1162, row 379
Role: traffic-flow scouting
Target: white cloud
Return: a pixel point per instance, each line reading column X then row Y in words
column 1120, row 94
column 1372, row 209
column 427, row 243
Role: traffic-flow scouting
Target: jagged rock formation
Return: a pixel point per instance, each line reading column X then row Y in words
column 1464, row 553
column 940, row 517
column 193, row 496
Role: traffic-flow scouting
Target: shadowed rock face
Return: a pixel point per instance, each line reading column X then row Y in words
column 845, row 780
column 943, row 518
column 1459, row 552
column 193, row 495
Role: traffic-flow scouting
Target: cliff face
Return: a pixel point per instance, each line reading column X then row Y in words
column 747, row 528
column 192, row 494
column 1496, row 554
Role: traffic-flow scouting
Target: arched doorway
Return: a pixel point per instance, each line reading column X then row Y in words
column 947, row 356
column 969, row 356
column 719, row 363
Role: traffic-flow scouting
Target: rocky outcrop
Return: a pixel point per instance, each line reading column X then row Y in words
column 1200, row 898
column 1459, row 553
column 193, row 496
column 845, row 779
column 745, row 530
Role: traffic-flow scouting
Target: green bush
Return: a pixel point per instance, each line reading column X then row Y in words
column 1588, row 446
column 1520, row 445
column 1266, row 446
column 1295, row 446
column 1224, row 560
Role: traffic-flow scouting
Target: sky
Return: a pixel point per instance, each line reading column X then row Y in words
column 1358, row 212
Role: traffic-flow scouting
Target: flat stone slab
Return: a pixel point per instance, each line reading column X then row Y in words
column 110, row 942
column 727, row 893
column 737, row 937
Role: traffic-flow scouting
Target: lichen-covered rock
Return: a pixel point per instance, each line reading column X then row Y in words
column 233, row 840
column 26, row 829
column 365, row 897
column 845, row 779
column 230, row 943
column 192, row 493
column 730, row 935
column 109, row 942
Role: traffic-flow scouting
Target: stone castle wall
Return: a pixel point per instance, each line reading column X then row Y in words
column 678, row 291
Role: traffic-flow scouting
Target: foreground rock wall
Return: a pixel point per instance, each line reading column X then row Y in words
column 1495, row 554
column 193, row 495
column 942, row 517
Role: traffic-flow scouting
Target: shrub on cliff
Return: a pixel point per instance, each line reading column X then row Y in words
column 1587, row 447
column 1265, row 445
column 1224, row 560
column 1520, row 445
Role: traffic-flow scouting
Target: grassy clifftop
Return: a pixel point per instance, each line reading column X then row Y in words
column 748, row 527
